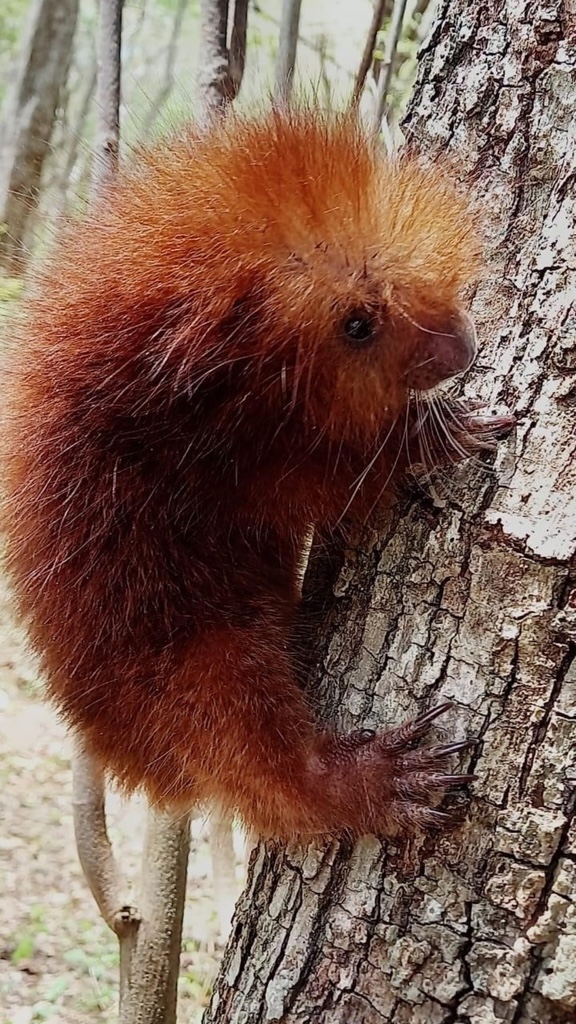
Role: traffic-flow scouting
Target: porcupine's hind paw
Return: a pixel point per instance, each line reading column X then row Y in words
column 387, row 785
column 451, row 430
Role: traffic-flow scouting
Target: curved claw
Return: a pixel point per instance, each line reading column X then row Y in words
column 412, row 730
column 452, row 748
column 424, row 720
column 494, row 424
column 454, row 780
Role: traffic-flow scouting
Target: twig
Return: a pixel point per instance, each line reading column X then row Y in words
column 97, row 860
column 381, row 9
column 237, row 54
column 387, row 69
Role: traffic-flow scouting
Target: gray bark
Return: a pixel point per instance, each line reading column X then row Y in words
column 27, row 122
column 108, row 56
column 153, row 987
column 214, row 85
column 467, row 593
column 287, row 47
column 221, row 66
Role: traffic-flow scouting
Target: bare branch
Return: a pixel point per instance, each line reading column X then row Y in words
column 382, row 9
column 237, row 56
column 95, row 853
column 156, row 956
column 108, row 92
column 149, row 943
column 97, row 860
column 94, row 850
column 223, row 868
column 387, row 69
column 287, row 46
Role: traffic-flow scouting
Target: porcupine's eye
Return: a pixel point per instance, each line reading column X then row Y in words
column 359, row 329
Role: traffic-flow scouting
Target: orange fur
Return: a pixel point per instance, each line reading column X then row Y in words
column 183, row 403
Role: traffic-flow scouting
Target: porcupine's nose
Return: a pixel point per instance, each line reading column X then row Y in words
column 444, row 351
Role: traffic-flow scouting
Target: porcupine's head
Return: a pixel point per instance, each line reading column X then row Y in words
column 279, row 261
column 355, row 268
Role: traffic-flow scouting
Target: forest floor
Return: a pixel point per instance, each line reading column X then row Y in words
column 58, row 960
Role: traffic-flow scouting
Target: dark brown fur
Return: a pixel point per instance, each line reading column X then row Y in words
column 183, row 403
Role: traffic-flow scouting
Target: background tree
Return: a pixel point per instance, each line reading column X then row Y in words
column 467, row 592
column 28, row 120
column 287, row 47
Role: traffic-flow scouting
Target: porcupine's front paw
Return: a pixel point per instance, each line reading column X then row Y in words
column 382, row 783
column 450, row 430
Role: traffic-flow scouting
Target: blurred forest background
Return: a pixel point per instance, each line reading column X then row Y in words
column 48, row 86
column 58, row 960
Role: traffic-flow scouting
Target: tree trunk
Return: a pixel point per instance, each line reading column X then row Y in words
column 287, row 47
column 214, row 85
column 467, row 593
column 28, row 119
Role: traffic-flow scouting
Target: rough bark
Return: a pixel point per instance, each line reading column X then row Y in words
column 468, row 592
column 27, row 123
column 214, row 85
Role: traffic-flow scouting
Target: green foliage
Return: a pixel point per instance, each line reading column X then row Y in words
column 10, row 289
column 12, row 16
column 12, row 19
column 24, row 948
column 25, row 941
column 101, row 969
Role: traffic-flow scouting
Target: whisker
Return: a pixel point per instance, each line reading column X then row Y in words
column 362, row 476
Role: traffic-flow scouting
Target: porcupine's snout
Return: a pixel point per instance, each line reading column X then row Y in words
column 445, row 351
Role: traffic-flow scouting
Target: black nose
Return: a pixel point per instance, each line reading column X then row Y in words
column 443, row 351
